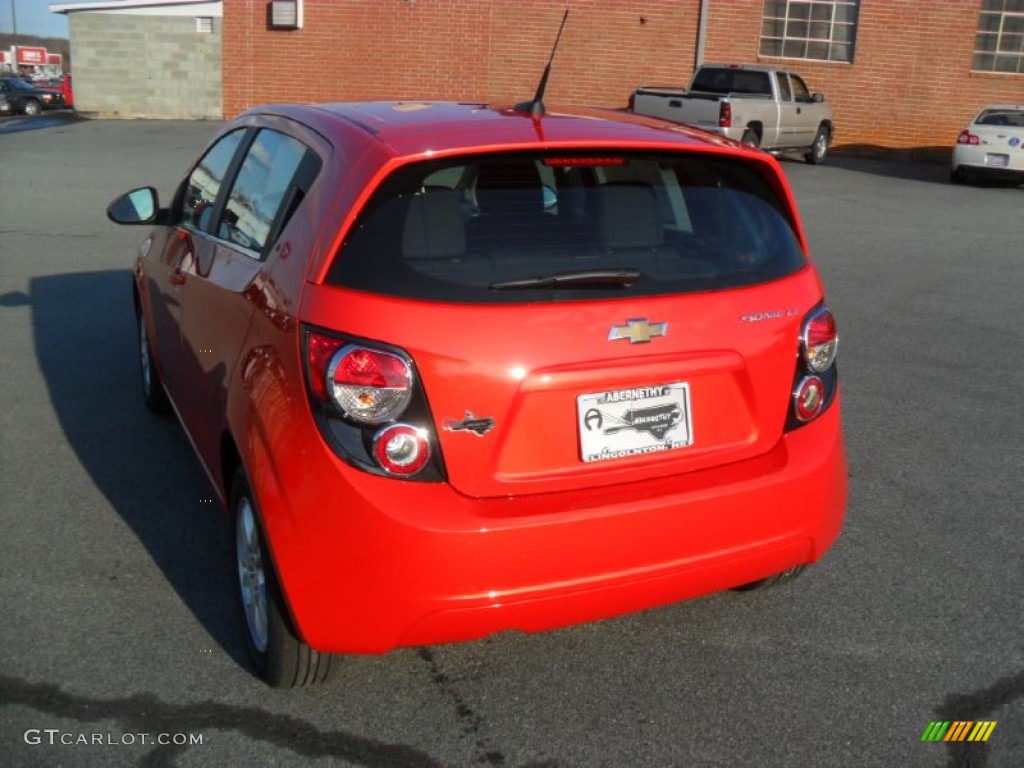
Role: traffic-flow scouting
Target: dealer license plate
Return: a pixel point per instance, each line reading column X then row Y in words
column 635, row 421
column 997, row 161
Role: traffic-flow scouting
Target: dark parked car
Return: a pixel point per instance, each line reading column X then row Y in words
column 26, row 98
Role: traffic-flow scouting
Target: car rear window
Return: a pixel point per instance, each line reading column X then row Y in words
column 714, row 80
column 556, row 226
column 1009, row 117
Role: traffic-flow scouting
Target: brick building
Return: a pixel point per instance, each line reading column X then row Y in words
column 899, row 73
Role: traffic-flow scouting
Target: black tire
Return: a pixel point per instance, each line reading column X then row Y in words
column 819, row 149
column 958, row 175
column 280, row 658
column 153, row 394
column 32, row 108
column 750, row 138
column 772, row 581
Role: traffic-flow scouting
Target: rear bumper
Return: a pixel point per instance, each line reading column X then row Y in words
column 369, row 563
column 979, row 160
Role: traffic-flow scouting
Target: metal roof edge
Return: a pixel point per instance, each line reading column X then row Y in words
column 113, row 5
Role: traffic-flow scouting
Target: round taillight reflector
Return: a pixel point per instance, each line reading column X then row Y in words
column 370, row 385
column 809, row 398
column 401, row 449
column 820, row 341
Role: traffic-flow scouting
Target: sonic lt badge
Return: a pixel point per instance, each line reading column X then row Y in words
column 479, row 427
column 638, row 331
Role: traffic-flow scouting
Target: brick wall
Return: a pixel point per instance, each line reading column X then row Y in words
column 909, row 86
column 145, row 66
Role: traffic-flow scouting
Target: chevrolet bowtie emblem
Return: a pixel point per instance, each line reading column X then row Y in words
column 638, row 331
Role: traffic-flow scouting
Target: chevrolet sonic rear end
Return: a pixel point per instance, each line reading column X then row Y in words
column 457, row 369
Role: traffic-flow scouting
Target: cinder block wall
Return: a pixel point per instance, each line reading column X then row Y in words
column 910, row 85
column 145, row 66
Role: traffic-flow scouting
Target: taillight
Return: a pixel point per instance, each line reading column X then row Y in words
column 966, row 137
column 725, row 115
column 815, row 381
column 401, row 449
column 370, row 407
column 809, row 398
column 369, row 385
column 819, row 340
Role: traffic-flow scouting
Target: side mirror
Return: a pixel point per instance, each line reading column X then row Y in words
column 140, row 206
column 818, row 97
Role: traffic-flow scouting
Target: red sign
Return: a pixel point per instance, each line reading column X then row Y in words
column 27, row 55
column 55, row 59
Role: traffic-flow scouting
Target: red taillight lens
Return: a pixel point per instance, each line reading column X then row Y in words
column 401, row 449
column 819, row 341
column 319, row 350
column 370, row 385
column 966, row 137
column 725, row 115
column 809, row 398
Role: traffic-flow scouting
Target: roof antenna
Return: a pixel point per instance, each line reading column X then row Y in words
column 536, row 107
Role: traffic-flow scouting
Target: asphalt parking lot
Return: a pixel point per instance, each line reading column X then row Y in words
column 117, row 624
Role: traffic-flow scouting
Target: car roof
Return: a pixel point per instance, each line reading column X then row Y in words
column 415, row 127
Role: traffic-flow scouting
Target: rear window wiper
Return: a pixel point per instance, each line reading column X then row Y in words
column 591, row 278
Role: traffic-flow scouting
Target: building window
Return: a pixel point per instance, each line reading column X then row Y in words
column 810, row 29
column 999, row 46
column 204, row 24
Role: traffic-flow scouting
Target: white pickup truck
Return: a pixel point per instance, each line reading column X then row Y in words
column 759, row 106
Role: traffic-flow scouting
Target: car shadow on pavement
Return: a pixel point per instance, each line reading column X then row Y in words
column 86, row 347
column 22, row 123
column 928, row 164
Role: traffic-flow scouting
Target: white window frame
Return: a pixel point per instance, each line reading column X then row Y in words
column 775, row 45
column 1006, row 41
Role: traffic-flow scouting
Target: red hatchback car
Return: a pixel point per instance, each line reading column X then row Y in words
column 456, row 369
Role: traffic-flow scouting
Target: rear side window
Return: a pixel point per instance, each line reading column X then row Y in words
column 554, row 227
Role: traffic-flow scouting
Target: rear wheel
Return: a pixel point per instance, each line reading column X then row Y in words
column 771, row 581
column 750, row 138
column 153, row 394
column 280, row 658
column 819, row 149
column 33, row 107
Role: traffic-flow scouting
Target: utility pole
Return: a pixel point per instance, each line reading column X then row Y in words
column 14, row 21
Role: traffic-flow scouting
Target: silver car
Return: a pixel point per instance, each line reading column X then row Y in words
column 991, row 146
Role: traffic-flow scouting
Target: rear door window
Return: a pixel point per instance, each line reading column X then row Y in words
column 785, row 94
column 264, row 181
column 555, row 226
